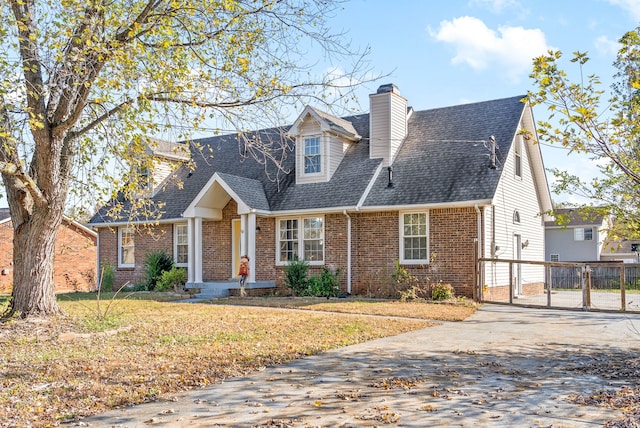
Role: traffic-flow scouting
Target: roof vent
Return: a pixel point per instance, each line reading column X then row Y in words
column 389, row 87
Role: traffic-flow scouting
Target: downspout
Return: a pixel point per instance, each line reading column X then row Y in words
column 98, row 272
column 479, row 249
column 348, row 251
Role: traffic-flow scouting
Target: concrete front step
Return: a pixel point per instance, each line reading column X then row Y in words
column 214, row 289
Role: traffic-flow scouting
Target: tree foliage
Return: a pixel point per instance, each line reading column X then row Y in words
column 84, row 83
column 604, row 124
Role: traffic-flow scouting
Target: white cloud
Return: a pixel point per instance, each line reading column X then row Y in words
column 631, row 6
column 509, row 50
column 606, row 46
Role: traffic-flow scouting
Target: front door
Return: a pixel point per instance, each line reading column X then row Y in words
column 236, row 236
column 517, row 269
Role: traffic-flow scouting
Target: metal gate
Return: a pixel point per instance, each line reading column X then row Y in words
column 604, row 286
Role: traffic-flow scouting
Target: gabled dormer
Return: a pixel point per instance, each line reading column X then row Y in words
column 321, row 142
column 164, row 158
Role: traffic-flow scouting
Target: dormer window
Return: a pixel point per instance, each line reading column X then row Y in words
column 312, row 156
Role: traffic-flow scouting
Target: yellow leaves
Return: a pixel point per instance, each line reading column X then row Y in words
column 244, row 64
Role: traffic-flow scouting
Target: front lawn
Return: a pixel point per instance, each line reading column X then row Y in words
column 127, row 351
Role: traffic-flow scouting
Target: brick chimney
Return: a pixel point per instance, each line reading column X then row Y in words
column 387, row 123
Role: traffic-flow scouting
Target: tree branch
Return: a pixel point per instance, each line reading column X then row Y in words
column 24, row 10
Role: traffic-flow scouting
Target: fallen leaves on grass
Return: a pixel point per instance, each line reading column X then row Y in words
column 416, row 309
column 156, row 349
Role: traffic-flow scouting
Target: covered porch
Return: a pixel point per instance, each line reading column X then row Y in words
column 235, row 236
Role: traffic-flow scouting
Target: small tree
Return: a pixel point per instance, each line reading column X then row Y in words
column 585, row 118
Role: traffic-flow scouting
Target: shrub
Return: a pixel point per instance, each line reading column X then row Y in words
column 107, row 277
column 173, row 279
column 295, row 276
column 326, row 284
column 442, row 291
column 155, row 263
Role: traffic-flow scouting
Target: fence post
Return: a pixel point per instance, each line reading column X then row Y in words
column 623, row 297
column 547, row 269
column 586, row 288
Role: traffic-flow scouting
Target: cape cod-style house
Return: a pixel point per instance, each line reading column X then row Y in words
column 430, row 189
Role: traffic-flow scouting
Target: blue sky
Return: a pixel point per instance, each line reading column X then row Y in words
column 442, row 53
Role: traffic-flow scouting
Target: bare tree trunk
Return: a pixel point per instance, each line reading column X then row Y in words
column 33, row 257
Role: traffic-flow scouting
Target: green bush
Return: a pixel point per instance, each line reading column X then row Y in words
column 326, row 284
column 107, row 277
column 442, row 291
column 295, row 276
column 155, row 263
column 172, row 280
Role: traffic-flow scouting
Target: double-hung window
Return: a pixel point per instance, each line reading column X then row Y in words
column 312, row 156
column 301, row 238
column 414, row 237
column 126, row 247
column 180, row 245
column 583, row 234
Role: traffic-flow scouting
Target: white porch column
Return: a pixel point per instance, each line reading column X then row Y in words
column 243, row 235
column 190, row 250
column 198, row 250
column 251, row 245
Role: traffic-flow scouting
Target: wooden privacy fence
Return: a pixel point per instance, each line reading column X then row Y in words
column 609, row 286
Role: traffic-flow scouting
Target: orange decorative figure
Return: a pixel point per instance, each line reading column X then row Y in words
column 243, row 272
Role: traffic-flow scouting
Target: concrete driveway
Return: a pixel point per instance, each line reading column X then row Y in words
column 502, row 367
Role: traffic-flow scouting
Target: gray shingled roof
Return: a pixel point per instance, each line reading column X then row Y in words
column 442, row 160
column 250, row 191
column 337, row 123
column 577, row 217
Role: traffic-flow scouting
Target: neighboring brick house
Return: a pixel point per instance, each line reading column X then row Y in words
column 75, row 256
column 432, row 189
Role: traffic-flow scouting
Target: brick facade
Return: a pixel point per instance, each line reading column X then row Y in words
column 375, row 248
column 74, row 263
column 146, row 240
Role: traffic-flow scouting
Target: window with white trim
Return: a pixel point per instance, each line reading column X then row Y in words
column 554, row 257
column 583, row 234
column 180, row 244
column 414, row 237
column 312, row 156
column 126, row 247
column 301, row 238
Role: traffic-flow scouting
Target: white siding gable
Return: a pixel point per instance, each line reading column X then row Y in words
column 522, row 194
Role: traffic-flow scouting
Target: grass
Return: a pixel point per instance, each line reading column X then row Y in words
column 391, row 308
column 59, row 370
